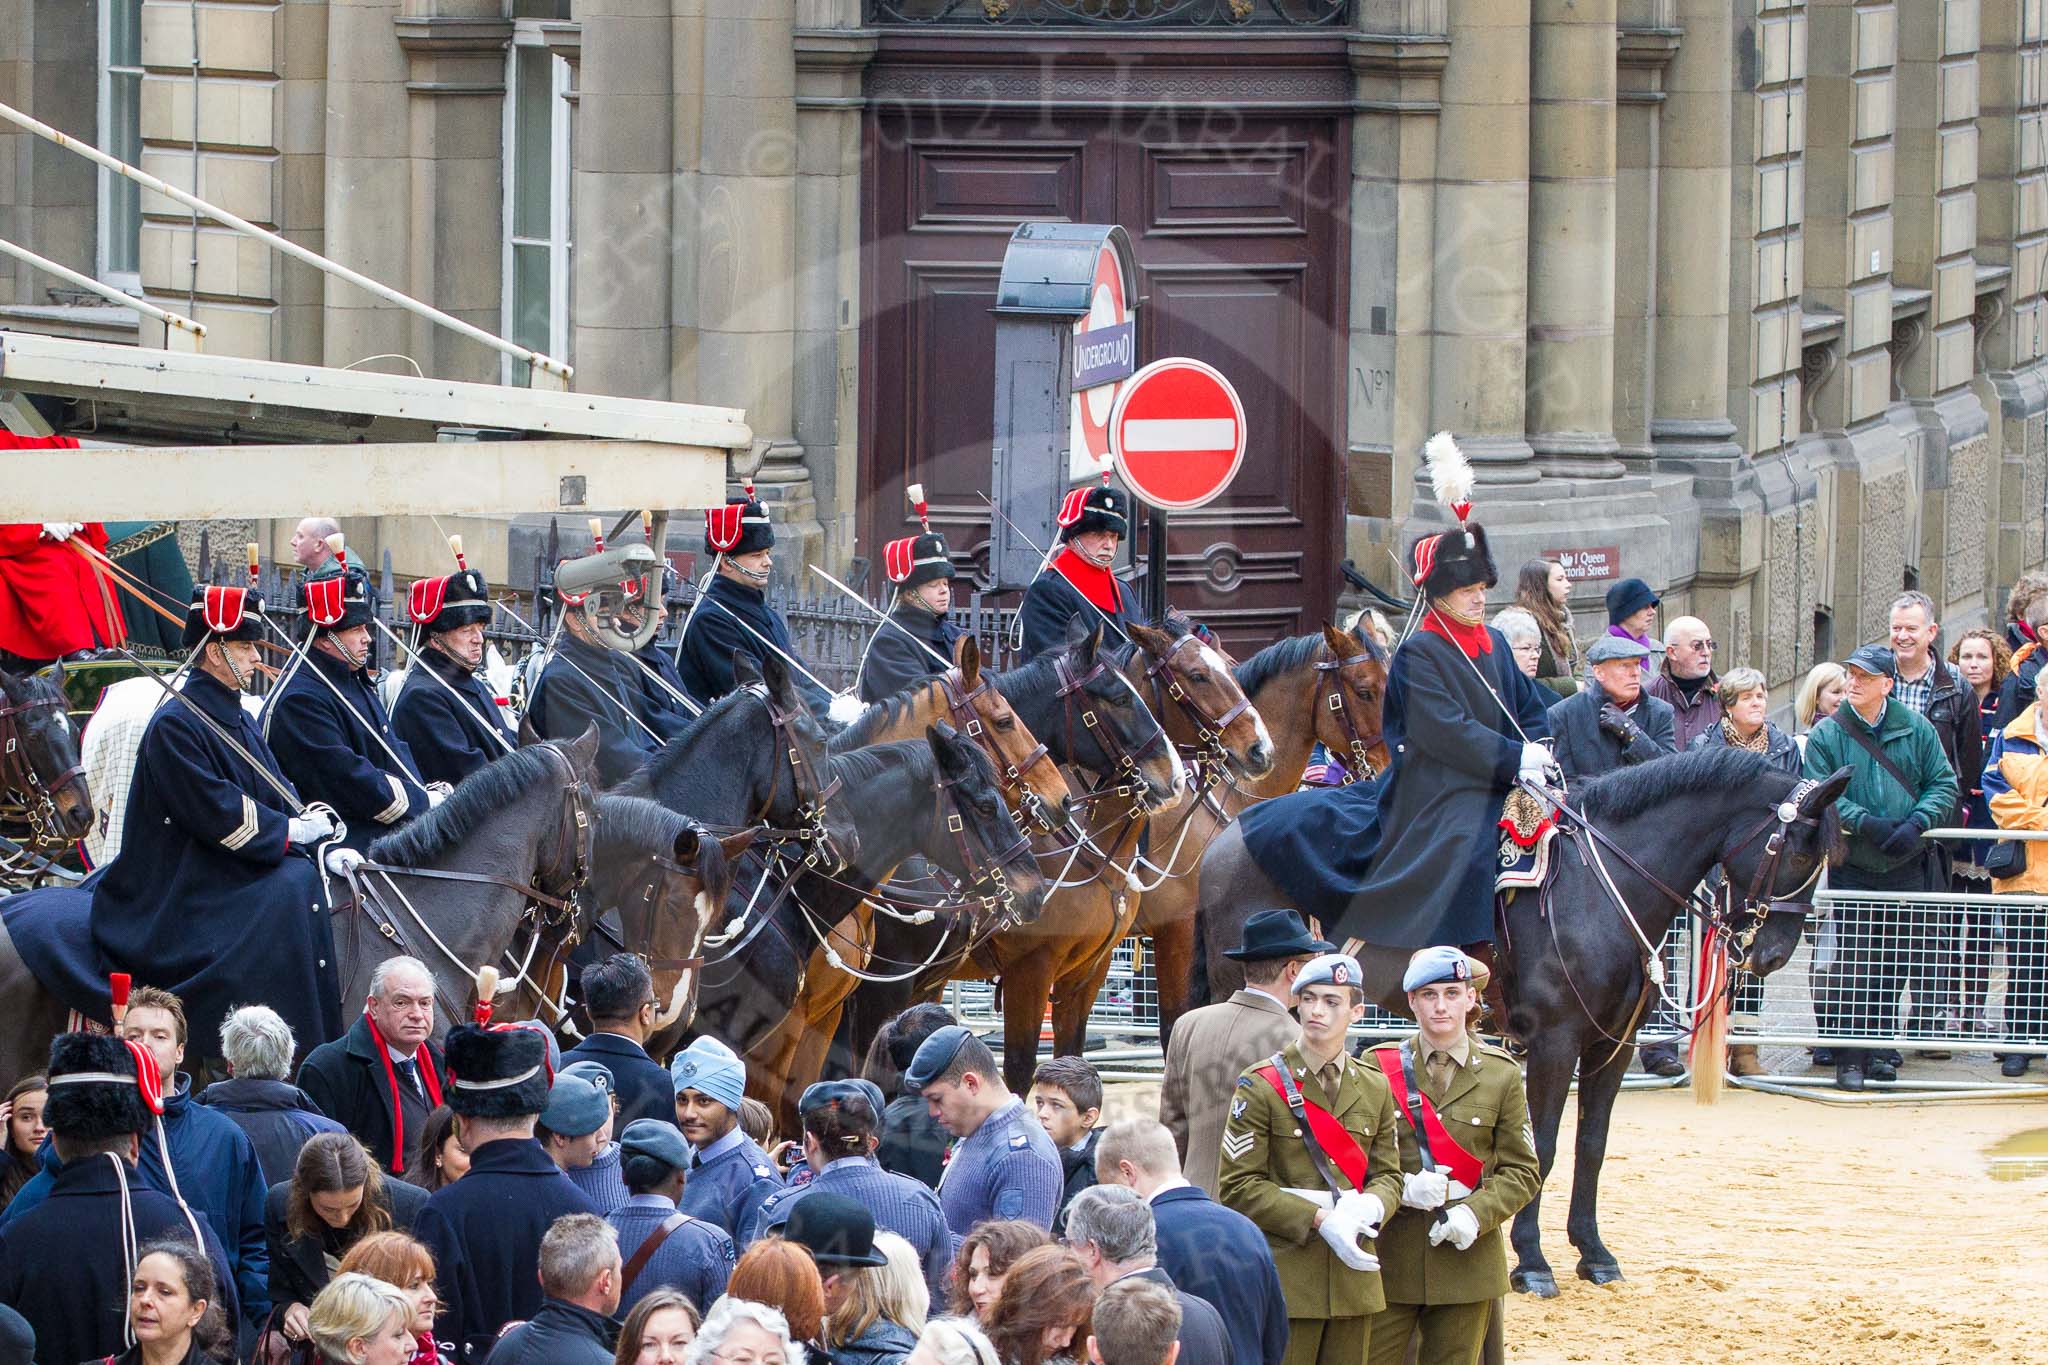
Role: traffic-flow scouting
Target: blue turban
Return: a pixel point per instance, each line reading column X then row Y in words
column 709, row 1067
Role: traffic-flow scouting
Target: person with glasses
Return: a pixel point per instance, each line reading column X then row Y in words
column 1687, row 682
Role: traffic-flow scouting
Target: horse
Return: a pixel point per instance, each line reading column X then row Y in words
column 45, row 801
column 1324, row 687
column 1573, row 970
column 937, row 797
column 523, row 816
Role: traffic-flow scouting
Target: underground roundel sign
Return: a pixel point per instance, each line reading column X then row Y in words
column 1177, row 433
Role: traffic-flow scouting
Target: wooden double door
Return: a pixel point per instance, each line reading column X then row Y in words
column 1240, row 222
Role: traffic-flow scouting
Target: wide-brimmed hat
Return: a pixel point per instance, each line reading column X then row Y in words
column 1273, row 934
column 837, row 1231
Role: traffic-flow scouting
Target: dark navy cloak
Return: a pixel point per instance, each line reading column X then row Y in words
column 446, row 742
column 705, row 659
column 585, row 685
column 331, row 754
column 897, row 655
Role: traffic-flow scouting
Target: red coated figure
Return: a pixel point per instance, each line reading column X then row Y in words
column 51, row 602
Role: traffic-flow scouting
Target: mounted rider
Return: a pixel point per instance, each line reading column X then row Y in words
column 447, row 715
column 1093, row 522
column 328, row 726
column 214, row 897
column 592, row 675
column 909, row 643
column 732, row 611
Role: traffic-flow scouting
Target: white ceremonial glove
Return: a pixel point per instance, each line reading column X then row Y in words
column 342, row 860
column 1424, row 1189
column 435, row 796
column 1460, row 1190
column 845, row 709
column 1364, row 1210
column 1536, row 760
column 1460, row 1228
column 61, row 531
column 1342, row 1235
column 306, row 830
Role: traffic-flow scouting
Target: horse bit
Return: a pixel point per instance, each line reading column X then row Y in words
column 1010, row 776
column 1125, row 759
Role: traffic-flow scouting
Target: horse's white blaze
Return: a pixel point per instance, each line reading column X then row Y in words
column 676, row 1000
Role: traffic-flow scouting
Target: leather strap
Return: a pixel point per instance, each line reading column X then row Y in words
column 1884, row 760
column 1331, row 1146
column 638, row 1261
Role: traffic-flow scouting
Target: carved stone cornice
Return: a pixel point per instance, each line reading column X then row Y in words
column 454, row 54
column 1399, row 72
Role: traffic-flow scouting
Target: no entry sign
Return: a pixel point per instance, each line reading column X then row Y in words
column 1105, row 351
column 1177, row 433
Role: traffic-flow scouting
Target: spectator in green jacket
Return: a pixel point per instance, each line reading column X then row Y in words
column 1884, row 814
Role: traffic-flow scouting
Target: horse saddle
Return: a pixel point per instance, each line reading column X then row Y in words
column 1527, row 830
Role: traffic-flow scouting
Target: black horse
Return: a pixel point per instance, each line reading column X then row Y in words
column 44, row 800
column 1573, row 970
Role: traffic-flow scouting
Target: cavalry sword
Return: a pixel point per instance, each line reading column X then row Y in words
column 602, row 690
column 887, row 619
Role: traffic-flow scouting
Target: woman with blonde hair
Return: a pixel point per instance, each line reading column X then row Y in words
column 358, row 1320
column 877, row 1311
column 1819, row 694
column 1542, row 590
column 1042, row 1314
column 406, row 1265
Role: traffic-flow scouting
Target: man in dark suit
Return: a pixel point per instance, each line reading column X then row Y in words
column 1110, row 1228
column 1212, row 1252
column 1614, row 723
column 619, row 994
column 383, row 1077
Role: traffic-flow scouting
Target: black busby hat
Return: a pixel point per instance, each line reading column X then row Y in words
column 223, row 614
column 337, row 601
column 96, row 1088
column 738, row 528
column 916, row 560
column 1097, row 507
column 497, row 1072
column 460, row 599
column 1453, row 559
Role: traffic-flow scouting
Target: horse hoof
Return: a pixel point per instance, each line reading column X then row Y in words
column 1607, row 1273
column 1541, row 1283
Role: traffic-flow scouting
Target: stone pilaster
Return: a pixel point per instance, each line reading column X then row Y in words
column 368, row 210
column 302, row 174
column 1572, row 242
column 1649, row 39
column 48, row 66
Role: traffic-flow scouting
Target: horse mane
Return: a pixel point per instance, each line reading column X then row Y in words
column 878, row 718
column 482, row 794
column 633, row 824
column 641, row 781
column 1631, row 791
column 866, row 765
column 1282, row 656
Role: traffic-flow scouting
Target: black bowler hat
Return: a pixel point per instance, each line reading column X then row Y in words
column 834, row 1229
column 1273, row 934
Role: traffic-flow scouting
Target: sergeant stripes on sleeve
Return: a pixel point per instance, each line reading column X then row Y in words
column 394, row 812
column 244, row 832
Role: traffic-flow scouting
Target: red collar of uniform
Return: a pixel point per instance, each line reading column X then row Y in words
column 1097, row 585
column 1474, row 639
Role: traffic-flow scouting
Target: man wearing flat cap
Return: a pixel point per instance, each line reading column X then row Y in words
column 664, row 1248
column 1210, row 1047
column 1310, row 1155
column 729, row 1173
column 485, row 1229
column 842, row 1125
column 1468, row 1164
column 1901, row 785
column 1004, row 1165
column 1614, row 723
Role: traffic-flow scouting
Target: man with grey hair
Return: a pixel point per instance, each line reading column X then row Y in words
column 309, row 547
column 580, row 1275
column 1212, row 1252
column 1686, row 682
column 277, row 1115
column 1110, row 1228
column 383, row 1077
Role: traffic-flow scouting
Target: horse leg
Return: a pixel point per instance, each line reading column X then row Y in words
column 1027, row 986
column 1551, row 1059
column 1601, row 1070
column 35, row 1015
column 1167, row 918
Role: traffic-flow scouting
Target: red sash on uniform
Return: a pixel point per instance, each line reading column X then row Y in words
column 1333, row 1137
column 1456, row 1162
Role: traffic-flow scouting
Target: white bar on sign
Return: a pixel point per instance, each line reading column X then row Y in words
column 1180, row 433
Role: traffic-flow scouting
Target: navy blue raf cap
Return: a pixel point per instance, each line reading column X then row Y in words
column 656, row 1138
column 822, row 1093
column 1872, row 659
column 576, row 1108
column 934, row 1055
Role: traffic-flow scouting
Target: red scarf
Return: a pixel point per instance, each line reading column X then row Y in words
column 422, row 1059
column 1474, row 639
column 1097, row 585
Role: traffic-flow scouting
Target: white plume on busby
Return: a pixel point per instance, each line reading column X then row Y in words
column 1450, row 474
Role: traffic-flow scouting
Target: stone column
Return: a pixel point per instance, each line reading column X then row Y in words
column 1649, row 38
column 48, row 69
column 302, row 173
column 369, row 205
column 1479, row 358
column 1572, row 86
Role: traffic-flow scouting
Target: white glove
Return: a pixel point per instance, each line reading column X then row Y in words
column 435, row 796
column 1460, row 1228
column 1364, row 1210
column 61, row 531
column 306, row 830
column 342, row 860
column 1535, row 760
column 845, row 709
column 1424, row 1189
column 1342, row 1235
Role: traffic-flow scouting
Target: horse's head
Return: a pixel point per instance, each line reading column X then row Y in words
column 1196, row 695
column 568, row 852
column 982, row 845
column 801, row 799
column 1108, row 729
column 40, row 772
column 1032, row 782
column 1772, row 866
column 1351, row 689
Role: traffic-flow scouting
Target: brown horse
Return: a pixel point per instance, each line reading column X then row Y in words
column 45, row 804
column 1321, row 688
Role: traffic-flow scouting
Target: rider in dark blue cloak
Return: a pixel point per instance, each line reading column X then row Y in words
column 734, row 613
column 1079, row 580
column 910, row 645
column 447, row 738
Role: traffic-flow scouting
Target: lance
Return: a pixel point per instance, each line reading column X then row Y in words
column 886, row 618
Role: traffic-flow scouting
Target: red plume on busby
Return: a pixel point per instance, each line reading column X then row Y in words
column 254, row 566
column 919, row 505
column 596, row 535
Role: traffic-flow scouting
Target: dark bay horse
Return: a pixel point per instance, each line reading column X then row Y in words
column 1572, row 967
column 45, row 803
column 1324, row 687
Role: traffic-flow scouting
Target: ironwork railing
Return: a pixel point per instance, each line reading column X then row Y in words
column 1212, row 14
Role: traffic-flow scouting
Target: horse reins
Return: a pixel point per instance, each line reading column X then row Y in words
column 1012, row 778
column 1330, row 696
column 29, row 796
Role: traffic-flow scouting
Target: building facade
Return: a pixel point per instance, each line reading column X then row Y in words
column 1744, row 298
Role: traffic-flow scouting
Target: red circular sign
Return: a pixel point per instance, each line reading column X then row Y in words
column 1108, row 307
column 1178, row 433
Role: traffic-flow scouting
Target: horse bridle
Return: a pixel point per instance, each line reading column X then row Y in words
column 1165, row 679
column 660, row 865
column 812, row 796
column 1010, row 777
column 979, row 872
column 1124, row 760
column 1330, row 694
column 25, row 791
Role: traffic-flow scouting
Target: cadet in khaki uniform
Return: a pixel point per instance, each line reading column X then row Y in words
column 1322, row 1240
column 1442, row 1254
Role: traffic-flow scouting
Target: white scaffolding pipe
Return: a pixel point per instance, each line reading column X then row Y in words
column 196, row 330
column 559, row 373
